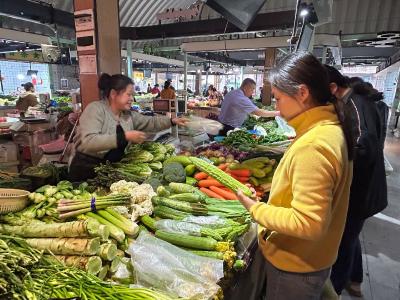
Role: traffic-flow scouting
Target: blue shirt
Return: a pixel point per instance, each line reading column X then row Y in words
column 235, row 108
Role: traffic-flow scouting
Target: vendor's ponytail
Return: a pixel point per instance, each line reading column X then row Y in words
column 303, row 68
column 117, row 82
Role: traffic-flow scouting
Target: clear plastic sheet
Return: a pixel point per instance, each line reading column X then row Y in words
column 178, row 227
column 208, row 221
column 163, row 266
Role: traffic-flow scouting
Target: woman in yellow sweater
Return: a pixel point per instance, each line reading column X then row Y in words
column 303, row 221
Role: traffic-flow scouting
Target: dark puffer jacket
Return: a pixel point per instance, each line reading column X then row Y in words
column 368, row 194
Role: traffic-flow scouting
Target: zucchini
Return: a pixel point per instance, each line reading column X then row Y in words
column 149, row 222
column 188, row 197
column 193, row 208
column 262, row 159
column 195, row 242
column 165, row 212
column 210, row 254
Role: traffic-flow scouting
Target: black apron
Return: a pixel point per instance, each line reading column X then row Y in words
column 82, row 165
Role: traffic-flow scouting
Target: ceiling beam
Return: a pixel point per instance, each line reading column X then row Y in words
column 219, row 58
column 255, row 43
column 266, row 21
column 153, row 58
column 14, row 35
column 38, row 12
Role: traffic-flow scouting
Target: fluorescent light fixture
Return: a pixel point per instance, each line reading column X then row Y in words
column 20, row 76
column 303, row 12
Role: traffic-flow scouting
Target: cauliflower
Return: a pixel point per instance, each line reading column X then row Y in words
column 142, row 193
column 141, row 200
column 140, row 196
column 144, row 208
column 123, row 187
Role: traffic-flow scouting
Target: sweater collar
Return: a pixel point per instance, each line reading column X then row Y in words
column 325, row 114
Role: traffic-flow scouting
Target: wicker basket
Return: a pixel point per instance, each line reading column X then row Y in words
column 12, row 200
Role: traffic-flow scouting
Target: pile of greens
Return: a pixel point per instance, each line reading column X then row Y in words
column 139, row 164
column 243, row 140
column 27, row 274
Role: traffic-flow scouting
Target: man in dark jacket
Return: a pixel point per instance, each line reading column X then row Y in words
column 368, row 192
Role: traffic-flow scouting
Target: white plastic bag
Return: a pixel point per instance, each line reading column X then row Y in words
column 163, row 266
column 202, row 124
column 286, row 128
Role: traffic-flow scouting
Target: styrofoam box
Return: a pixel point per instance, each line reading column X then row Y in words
column 11, row 166
column 8, row 151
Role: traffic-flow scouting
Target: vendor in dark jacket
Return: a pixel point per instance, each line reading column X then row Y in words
column 368, row 192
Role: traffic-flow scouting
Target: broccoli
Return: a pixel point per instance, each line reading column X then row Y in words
column 174, row 172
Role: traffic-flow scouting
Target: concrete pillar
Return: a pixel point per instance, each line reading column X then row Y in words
column 270, row 58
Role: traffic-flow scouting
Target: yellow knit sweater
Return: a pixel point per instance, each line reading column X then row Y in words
column 304, row 218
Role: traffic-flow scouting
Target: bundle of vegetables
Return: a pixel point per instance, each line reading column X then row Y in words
column 44, row 203
column 219, row 153
column 13, row 181
column 107, row 174
column 260, row 171
column 252, row 121
column 218, row 174
column 68, row 208
column 245, row 141
column 29, row 275
column 47, row 170
column 118, row 225
column 200, row 240
column 86, row 228
column 62, row 99
column 157, row 151
column 187, row 200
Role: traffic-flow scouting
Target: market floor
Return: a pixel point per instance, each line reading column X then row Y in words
column 380, row 239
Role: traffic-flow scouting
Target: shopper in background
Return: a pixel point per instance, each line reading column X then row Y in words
column 232, row 88
column 209, row 91
column 225, row 91
column 156, row 90
column 106, row 127
column 28, row 98
column 237, row 106
column 368, row 194
column 303, row 221
column 170, row 84
column 149, row 89
column 167, row 92
column 362, row 87
column 261, row 93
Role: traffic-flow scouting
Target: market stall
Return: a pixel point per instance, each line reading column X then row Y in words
column 154, row 202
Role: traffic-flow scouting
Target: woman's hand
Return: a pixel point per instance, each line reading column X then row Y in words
column 180, row 121
column 134, row 136
column 246, row 201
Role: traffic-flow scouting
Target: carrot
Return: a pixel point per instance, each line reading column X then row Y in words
column 208, row 183
column 241, row 179
column 209, row 178
column 211, row 193
column 223, row 167
column 201, row 176
column 227, row 195
column 259, row 194
column 241, row 173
